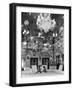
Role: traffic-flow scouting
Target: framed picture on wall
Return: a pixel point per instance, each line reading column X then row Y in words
column 40, row 44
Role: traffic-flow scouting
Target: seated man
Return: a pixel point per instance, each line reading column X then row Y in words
column 44, row 69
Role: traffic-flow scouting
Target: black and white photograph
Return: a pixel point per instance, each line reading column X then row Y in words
column 42, row 44
column 40, row 40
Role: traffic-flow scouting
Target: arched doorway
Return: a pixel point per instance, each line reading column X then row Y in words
column 45, row 61
column 33, row 61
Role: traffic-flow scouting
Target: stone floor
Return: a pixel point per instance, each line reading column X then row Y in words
column 50, row 72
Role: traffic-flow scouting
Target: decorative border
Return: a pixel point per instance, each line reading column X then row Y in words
column 12, row 41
